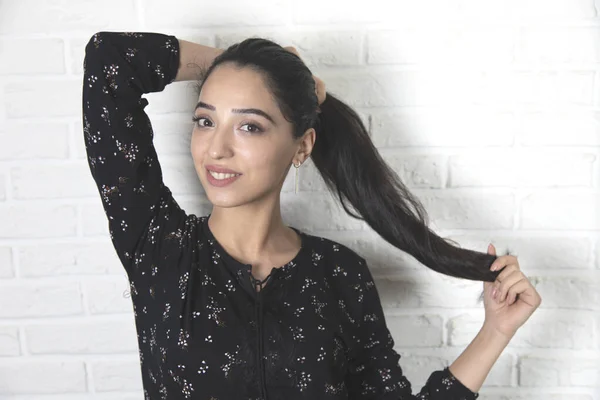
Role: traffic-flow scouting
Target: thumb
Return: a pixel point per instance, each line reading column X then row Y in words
column 490, row 250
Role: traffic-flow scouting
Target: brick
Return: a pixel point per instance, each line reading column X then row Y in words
column 172, row 136
column 383, row 258
column 49, row 376
column 48, row 18
column 418, row 170
column 33, row 140
column 314, row 46
column 429, row 290
column 569, row 210
column 78, row 396
column 9, row 341
column 547, row 128
column 554, row 9
column 32, row 56
column 181, row 177
column 329, row 12
column 442, row 126
column 441, row 44
column 117, row 375
column 597, row 253
column 559, row 45
column 26, row 300
column 462, row 87
column 3, row 186
column 76, row 51
column 6, row 263
column 469, row 210
column 529, row 394
column 85, row 337
column 326, row 213
column 463, row 328
column 309, row 178
column 425, row 330
column 556, row 252
column 418, row 364
column 59, row 98
column 289, row 182
column 551, row 88
column 76, row 140
column 563, row 371
column 440, row 12
column 417, row 367
column 232, row 13
column 109, row 296
column 570, row 292
column 38, row 181
column 69, row 258
column 526, row 169
column 563, row 329
column 94, row 221
column 36, row 220
column 178, row 97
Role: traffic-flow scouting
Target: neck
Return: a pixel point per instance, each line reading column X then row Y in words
column 251, row 236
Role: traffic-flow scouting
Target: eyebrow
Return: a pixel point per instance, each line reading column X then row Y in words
column 256, row 111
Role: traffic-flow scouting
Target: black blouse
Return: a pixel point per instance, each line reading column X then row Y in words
column 315, row 331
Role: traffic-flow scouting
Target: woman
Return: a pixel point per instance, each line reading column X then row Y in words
column 236, row 305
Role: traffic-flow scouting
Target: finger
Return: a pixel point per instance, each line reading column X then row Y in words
column 502, row 261
column 320, row 89
column 507, row 284
column 509, row 269
column 491, row 249
column 503, row 286
column 518, row 288
column 292, row 49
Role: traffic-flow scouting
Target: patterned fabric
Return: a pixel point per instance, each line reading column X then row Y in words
column 315, row 331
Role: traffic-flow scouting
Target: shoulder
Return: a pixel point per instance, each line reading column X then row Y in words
column 346, row 276
column 338, row 260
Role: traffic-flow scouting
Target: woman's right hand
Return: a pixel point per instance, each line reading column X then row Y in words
column 319, row 84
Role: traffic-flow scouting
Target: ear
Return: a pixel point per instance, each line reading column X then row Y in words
column 307, row 142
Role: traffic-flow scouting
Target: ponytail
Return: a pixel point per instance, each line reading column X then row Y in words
column 352, row 167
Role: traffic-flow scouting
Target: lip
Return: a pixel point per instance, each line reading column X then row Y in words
column 216, row 168
column 220, row 182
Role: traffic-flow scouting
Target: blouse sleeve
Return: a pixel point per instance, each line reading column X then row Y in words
column 374, row 371
column 118, row 68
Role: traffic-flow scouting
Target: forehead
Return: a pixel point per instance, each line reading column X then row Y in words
column 229, row 84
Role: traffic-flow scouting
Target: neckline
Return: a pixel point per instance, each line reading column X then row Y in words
column 248, row 267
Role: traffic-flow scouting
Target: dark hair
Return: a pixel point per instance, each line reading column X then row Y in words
column 350, row 164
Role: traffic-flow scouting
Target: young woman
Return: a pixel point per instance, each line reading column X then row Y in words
column 235, row 304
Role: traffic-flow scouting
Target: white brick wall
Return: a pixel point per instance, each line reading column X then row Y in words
column 488, row 110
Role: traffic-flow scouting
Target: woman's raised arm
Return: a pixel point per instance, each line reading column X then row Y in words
column 119, row 67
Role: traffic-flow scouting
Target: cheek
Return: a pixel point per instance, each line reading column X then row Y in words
column 269, row 162
column 196, row 149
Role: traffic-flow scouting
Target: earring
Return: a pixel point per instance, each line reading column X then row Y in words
column 296, row 177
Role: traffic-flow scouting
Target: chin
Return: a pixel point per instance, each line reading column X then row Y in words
column 224, row 201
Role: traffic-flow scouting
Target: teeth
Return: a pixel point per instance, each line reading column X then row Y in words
column 217, row 175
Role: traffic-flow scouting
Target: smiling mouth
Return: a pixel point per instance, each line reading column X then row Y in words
column 221, row 175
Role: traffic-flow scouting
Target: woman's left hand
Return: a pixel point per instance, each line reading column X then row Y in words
column 516, row 299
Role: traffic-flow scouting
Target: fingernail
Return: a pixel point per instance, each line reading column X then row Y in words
column 494, row 291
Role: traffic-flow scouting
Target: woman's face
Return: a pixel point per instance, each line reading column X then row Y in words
column 232, row 133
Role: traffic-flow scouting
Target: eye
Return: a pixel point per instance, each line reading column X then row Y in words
column 257, row 129
column 197, row 119
column 253, row 128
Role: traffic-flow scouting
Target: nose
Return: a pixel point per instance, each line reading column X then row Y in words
column 220, row 142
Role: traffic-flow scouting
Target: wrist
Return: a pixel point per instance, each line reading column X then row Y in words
column 493, row 334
